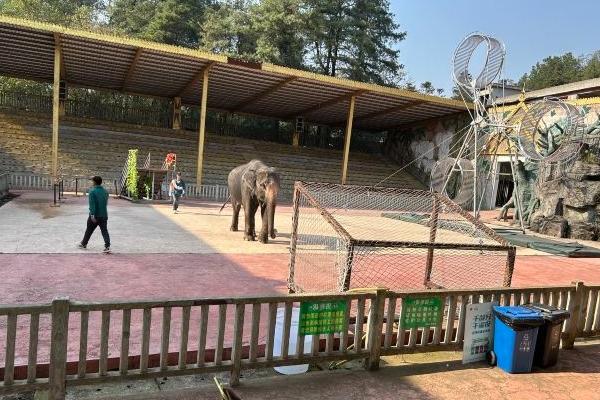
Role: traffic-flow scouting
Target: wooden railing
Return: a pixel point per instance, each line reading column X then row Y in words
column 24, row 181
column 243, row 330
column 210, row 192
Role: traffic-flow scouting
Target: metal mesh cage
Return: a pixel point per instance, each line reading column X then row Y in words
column 346, row 237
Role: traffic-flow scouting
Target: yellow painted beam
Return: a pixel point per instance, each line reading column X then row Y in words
column 199, row 75
column 325, row 104
column 347, row 139
column 379, row 113
column 245, row 103
column 131, row 69
column 202, row 132
column 55, row 110
column 58, row 43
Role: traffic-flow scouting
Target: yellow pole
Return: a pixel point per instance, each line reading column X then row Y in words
column 347, row 138
column 202, row 127
column 55, row 111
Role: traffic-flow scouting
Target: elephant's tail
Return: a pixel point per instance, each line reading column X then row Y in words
column 224, row 204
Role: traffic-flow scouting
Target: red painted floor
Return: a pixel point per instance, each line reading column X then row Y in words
column 38, row 278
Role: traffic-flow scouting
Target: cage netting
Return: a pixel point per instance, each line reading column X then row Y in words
column 347, row 237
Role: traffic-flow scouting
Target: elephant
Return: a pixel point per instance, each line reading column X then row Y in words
column 253, row 185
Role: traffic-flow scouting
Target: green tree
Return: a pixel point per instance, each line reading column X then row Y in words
column 168, row 21
column 354, row 39
column 427, row 87
column 553, row 71
column 373, row 33
column 279, row 26
column 410, row 85
column 74, row 13
column 592, row 66
column 228, row 29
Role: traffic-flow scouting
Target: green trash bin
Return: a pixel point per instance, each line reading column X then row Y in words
column 548, row 340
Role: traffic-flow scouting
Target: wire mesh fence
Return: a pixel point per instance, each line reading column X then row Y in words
column 347, row 237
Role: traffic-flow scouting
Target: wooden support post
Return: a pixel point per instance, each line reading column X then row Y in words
column 176, row 113
column 58, row 349
column 236, row 357
column 348, row 138
column 348, row 267
column 294, row 240
column 202, row 126
column 56, row 110
column 573, row 321
column 62, row 98
column 510, row 266
column 433, row 224
column 374, row 330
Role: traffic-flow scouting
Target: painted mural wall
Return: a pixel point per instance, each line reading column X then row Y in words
column 420, row 146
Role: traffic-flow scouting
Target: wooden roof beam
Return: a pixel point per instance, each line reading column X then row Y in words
column 326, row 104
column 58, row 44
column 245, row 103
column 385, row 111
column 195, row 79
column 132, row 66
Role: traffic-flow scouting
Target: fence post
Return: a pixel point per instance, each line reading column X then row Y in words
column 374, row 330
column 433, row 225
column 293, row 240
column 236, row 355
column 58, row 349
column 573, row 323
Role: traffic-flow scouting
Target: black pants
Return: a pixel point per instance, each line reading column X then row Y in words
column 91, row 227
column 175, row 198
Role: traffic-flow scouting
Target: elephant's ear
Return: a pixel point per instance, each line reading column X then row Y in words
column 249, row 181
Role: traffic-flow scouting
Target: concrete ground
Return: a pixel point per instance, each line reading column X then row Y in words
column 416, row 376
column 161, row 255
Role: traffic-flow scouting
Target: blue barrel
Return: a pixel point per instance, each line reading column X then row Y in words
column 515, row 335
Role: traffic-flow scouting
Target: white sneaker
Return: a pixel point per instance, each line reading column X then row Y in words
column 106, row 250
column 81, row 246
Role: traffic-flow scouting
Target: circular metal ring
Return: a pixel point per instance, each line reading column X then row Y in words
column 494, row 60
column 542, row 138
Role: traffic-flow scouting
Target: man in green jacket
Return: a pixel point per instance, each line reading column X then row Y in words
column 98, row 200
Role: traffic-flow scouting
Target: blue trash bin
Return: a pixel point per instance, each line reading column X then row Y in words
column 515, row 334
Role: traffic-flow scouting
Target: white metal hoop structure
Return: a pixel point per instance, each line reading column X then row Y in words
column 542, row 139
column 494, row 60
column 442, row 172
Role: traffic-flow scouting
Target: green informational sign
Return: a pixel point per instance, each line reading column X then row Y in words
column 421, row 312
column 322, row 317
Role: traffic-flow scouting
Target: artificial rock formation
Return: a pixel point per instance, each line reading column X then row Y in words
column 570, row 207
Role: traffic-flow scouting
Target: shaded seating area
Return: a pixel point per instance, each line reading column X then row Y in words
column 88, row 148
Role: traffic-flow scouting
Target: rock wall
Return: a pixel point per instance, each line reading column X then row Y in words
column 570, row 207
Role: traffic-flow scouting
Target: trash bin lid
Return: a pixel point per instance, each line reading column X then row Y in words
column 550, row 313
column 518, row 316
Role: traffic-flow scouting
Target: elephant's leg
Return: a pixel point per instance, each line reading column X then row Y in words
column 263, row 237
column 249, row 211
column 236, row 215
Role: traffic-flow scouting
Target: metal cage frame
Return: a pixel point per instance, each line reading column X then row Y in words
column 439, row 201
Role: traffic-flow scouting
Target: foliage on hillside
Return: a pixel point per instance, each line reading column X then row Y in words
column 559, row 70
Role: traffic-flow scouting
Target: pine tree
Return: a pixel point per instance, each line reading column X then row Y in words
column 167, row 21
